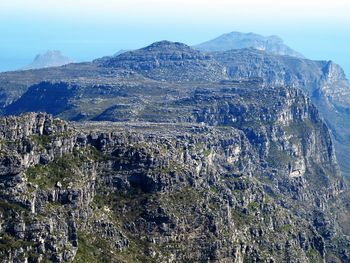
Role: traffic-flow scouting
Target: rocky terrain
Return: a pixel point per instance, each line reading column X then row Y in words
column 146, row 192
column 168, row 154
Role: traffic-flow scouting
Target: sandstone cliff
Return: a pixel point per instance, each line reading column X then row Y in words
column 146, row 192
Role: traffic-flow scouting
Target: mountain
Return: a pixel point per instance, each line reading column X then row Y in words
column 170, row 61
column 238, row 40
column 52, row 58
column 172, row 154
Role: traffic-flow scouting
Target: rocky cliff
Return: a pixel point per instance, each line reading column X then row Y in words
column 323, row 81
column 235, row 182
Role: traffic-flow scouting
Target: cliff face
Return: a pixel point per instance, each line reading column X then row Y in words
column 323, row 81
column 324, row 78
column 248, row 183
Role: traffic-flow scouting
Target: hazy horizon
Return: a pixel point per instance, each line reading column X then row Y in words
column 85, row 30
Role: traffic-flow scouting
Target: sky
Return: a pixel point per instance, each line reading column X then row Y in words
column 88, row 29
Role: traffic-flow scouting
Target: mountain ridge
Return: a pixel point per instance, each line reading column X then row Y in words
column 170, row 62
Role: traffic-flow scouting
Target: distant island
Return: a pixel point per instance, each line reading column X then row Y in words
column 52, row 58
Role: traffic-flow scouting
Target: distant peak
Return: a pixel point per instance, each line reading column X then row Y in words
column 250, row 35
column 161, row 50
column 238, row 40
column 51, row 58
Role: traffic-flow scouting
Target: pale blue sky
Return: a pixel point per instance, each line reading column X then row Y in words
column 87, row 29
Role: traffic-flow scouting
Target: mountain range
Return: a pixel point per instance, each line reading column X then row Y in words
column 235, row 150
column 323, row 81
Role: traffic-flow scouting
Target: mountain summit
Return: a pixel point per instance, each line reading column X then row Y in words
column 165, row 60
column 238, row 40
column 52, row 58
